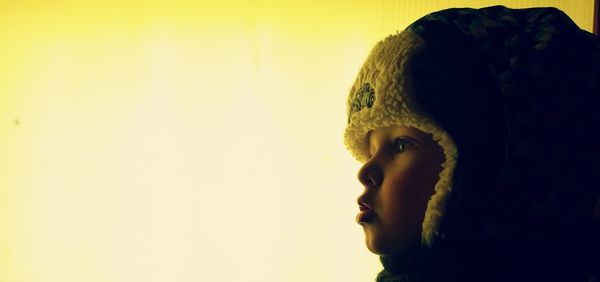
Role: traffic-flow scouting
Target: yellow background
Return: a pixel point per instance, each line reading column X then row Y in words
column 187, row 140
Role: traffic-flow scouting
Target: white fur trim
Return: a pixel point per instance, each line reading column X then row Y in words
column 385, row 71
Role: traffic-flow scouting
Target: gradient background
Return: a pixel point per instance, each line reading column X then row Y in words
column 187, row 140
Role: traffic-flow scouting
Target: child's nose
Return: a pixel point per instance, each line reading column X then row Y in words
column 370, row 175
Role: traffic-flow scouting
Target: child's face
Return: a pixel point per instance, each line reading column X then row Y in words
column 399, row 179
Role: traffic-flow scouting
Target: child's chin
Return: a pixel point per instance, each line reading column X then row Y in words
column 377, row 245
column 380, row 246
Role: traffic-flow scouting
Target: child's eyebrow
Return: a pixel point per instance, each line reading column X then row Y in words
column 412, row 138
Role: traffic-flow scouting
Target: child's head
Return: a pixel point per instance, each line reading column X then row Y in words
column 404, row 192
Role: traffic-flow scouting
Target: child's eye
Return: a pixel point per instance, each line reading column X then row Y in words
column 400, row 145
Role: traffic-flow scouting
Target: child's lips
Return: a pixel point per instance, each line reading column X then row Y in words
column 365, row 215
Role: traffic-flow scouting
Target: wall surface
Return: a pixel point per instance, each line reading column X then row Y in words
column 187, row 140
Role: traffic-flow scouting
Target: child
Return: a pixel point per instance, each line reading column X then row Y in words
column 477, row 130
